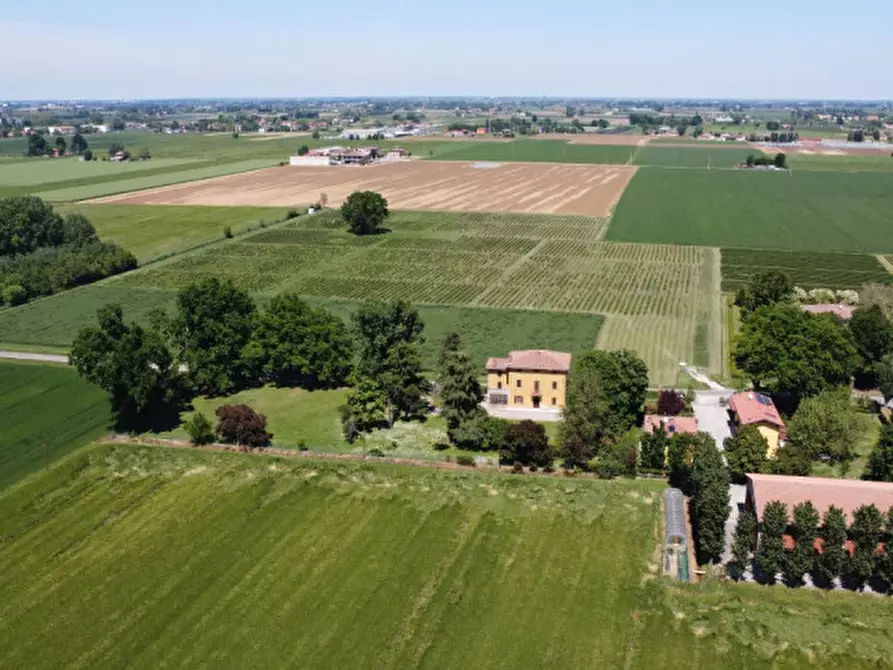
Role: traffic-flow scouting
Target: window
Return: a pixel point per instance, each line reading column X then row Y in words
column 554, row 387
column 536, row 386
column 554, row 402
column 518, row 383
column 499, row 385
column 519, row 400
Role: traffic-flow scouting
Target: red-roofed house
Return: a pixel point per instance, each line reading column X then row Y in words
column 670, row 424
column 844, row 312
column 528, row 379
column 757, row 409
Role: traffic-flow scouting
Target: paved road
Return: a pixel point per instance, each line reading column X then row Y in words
column 27, row 356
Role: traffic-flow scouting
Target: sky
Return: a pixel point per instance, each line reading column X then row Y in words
column 166, row 49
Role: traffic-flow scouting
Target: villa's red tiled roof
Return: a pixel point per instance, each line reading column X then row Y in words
column 532, row 359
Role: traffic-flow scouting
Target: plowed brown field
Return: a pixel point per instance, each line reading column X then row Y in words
column 546, row 188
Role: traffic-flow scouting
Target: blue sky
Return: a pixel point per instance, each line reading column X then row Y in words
column 759, row 49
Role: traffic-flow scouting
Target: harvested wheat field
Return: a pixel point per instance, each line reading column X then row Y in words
column 544, row 188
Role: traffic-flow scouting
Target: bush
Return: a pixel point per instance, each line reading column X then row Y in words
column 14, row 295
column 466, row 460
column 292, row 214
column 442, row 446
column 228, row 232
column 375, row 451
column 239, row 424
column 517, row 468
column 670, row 402
column 526, row 443
column 302, row 446
column 200, row 429
column 88, row 155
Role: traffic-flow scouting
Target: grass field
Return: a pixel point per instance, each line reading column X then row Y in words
column 692, row 157
column 551, row 151
column 800, row 211
column 148, row 232
column 868, row 163
column 45, row 412
column 807, row 269
column 179, row 558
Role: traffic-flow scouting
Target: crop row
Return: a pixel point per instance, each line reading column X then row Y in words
column 806, row 269
column 418, row 291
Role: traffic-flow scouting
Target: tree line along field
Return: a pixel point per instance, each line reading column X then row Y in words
column 807, row 270
column 794, row 211
column 180, row 558
column 47, row 411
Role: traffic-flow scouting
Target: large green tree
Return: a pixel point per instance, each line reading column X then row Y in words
column 880, row 462
column 681, row 456
column 804, row 529
column 389, row 337
column 831, row 562
column 885, row 560
column 826, row 426
column 27, row 223
column 460, row 391
column 770, row 551
column 764, row 288
column 78, row 143
column 786, row 350
column 745, row 532
column 365, row 212
column 582, row 431
column 746, row 452
column 883, row 375
column 872, row 334
column 133, row 365
column 526, row 443
column 865, row 531
column 213, row 325
column 653, row 452
column 709, row 501
column 297, row 345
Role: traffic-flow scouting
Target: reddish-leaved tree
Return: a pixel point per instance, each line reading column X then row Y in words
column 239, row 424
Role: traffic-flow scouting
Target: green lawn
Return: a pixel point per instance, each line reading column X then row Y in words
column 552, row 151
column 46, row 411
column 808, row 270
column 38, row 173
column 149, row 231
column 799, row 211
column 179, row 558
column 105, row 186
column 693, row 157
column 872, row 163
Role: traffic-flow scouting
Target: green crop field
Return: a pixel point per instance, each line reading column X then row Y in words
column 807, row 269
column 37, row 173
column 149, row 231
column 46, row 411
column 870, row 163
column 694, row 157
column 798, row 211
column 178, row 558
column 554, row 266
column 551, row 151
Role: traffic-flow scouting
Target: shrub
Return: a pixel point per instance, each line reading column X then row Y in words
column 88, row 155
column 517, row 468
column 292, row 214
column 375, row 451
column 466, row 460
column 441, row 446
column 228, row 232
column 526, row 443
column 670, row 402
column 14, row 295
column 239, row 424
column 302, row 446
column 200, row 429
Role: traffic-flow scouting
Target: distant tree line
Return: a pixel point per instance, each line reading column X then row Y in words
column 42, row 253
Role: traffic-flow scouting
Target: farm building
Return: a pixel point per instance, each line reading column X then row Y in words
column 528, row 379
column 670, row 424
column 822, row 492
column 757, row 409
column 844, row 312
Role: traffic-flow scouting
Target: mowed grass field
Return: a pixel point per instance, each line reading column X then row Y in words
column 150, row 232
column 797, row 211
column 550, row 151
column 179, row 558
column 706, row 157
column 46, row 411
column 806, row 269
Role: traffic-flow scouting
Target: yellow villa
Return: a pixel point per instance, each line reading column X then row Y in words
column 531, row 379
column 756, row 409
